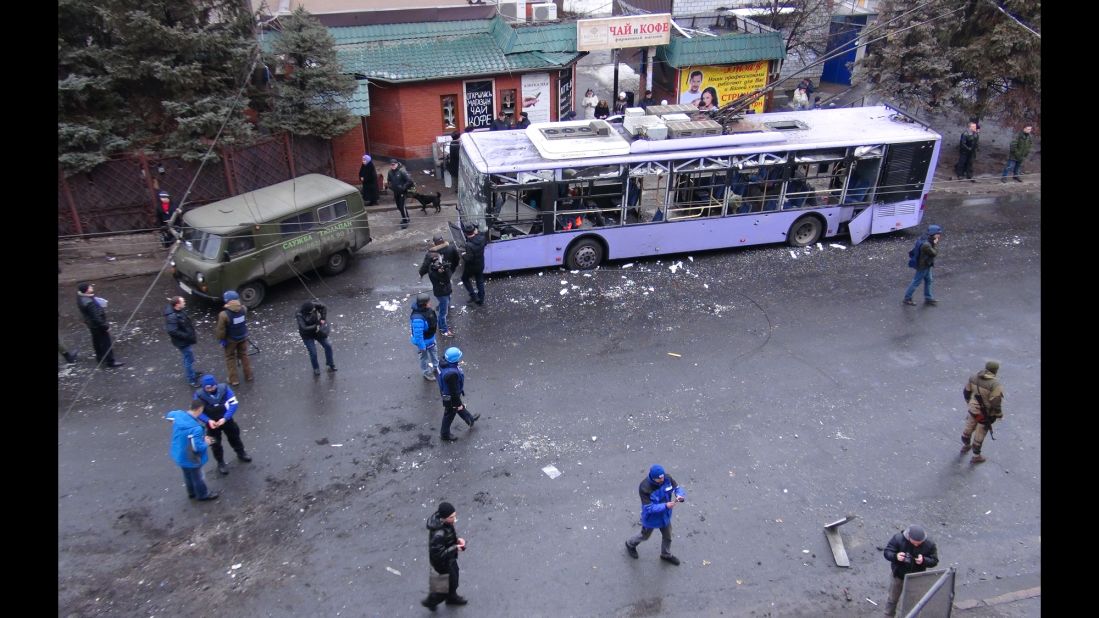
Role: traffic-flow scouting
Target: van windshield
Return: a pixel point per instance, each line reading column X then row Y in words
column 203, row 243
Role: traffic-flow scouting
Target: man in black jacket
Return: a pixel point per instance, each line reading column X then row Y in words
column 909, row 551
column 440, row 247
column 182, row 332
column 474, row 264
column 401, row 183
column 96, row 319
column 443, row 546
column 313, row 328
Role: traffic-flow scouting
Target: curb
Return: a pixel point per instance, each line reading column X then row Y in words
column 1009, row 597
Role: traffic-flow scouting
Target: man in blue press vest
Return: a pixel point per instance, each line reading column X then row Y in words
column 659, row 495
column 220, row 403
column 232, row 333
column 452, row 385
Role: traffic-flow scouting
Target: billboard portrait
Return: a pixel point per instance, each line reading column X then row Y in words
column 710, row 87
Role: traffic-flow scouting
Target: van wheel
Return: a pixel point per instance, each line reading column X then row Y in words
column 336, row 264
column 805, row 231
column 586, row 254
column 252, row 293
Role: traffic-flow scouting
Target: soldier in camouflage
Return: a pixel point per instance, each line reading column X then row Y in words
column 985, row 397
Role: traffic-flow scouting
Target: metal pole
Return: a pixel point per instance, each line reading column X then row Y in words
column 614, row 93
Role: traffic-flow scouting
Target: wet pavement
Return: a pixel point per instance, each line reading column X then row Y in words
column 784, row 388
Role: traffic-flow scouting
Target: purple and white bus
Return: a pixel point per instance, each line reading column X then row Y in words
column 578, row 192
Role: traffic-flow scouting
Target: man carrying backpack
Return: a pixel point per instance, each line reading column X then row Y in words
column 922, row 258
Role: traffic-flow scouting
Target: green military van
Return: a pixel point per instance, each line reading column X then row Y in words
column 257, row 239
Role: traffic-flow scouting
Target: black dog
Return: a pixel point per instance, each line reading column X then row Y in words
column 426, row 200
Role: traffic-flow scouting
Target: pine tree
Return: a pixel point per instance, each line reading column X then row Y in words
column 151, row 74
column 969, row 55
column 312, row 97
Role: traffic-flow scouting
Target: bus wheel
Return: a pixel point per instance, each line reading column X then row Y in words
column 336, row 263
column 805, row 231
column 252, row 293
column 586, row 254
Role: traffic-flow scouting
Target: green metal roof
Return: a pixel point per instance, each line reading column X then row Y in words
column 728, row 49
column 482, row 47
column 360, row 99
column 350, row 35
column 440, row 50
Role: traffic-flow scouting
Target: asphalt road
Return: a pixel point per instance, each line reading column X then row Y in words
column 801, row 390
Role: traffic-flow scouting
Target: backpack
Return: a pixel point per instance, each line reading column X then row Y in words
column 914, row 252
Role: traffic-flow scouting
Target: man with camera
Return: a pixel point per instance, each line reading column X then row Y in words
column 985, row 397
column 909, row 551
column 659, row 495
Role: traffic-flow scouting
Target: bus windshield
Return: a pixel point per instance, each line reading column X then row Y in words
column 472, row 194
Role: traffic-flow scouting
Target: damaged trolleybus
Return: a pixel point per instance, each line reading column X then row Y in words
column 578, row 192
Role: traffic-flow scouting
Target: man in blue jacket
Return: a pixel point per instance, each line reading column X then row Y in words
column 189, row 446
column 219, row 405
column 424, row 322
column 452, row 386
column 659, row 495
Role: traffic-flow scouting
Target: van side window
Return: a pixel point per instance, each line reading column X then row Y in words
column 298, row 224
column 241, row 244
column 332, row 212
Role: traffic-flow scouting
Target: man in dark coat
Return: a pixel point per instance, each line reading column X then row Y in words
column 443, row 545
column 95, row 317
column 502, row 122
column 474, row 264
column 441, row 248
column 368, row 176
column 453, row 155
column 1017, row 153
column 908, row 552
column 967, row 152
column 312, row 326
column 401, row 183
column 182, row 333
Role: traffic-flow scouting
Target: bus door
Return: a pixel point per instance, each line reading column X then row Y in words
column 863, row 192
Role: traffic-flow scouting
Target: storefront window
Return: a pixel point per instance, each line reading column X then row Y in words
column 450, row 111
column 507, row 102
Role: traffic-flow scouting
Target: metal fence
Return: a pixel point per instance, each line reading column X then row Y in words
column 119, row 196
column 929, row 594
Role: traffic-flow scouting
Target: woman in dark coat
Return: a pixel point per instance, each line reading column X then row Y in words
column 602, row 110
column 368, row 176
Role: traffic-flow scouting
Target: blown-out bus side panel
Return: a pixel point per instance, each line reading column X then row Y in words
column 657, row 238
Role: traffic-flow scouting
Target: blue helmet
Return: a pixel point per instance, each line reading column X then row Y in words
column 230, row 295
column 934, row 229
column 453, row 355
